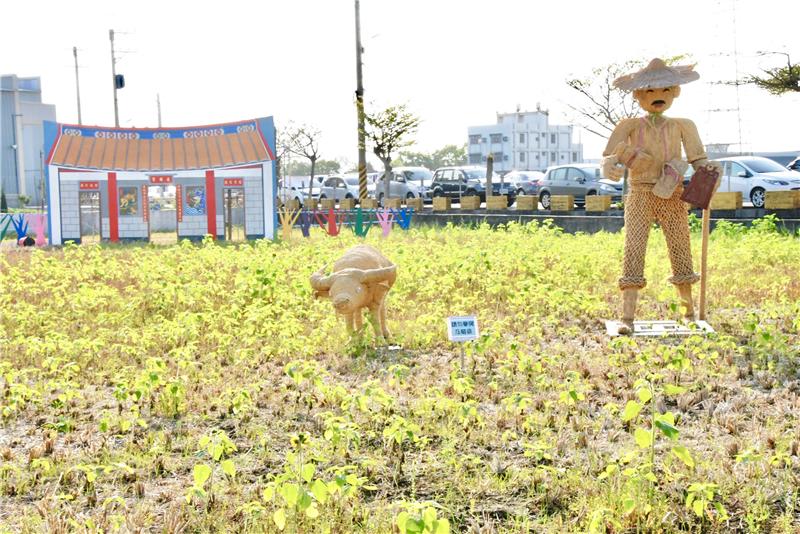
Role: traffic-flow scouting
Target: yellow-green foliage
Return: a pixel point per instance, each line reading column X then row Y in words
column 200, row 388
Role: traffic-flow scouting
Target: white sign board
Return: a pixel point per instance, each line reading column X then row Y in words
column 463, row 328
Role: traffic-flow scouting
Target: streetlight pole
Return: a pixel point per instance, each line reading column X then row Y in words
column 77, row 83
column 362, row 155
column 114, row 77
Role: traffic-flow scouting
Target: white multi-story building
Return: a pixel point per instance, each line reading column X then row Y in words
column 524, row 140
column 22, row 114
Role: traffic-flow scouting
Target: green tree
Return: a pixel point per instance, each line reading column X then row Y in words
column 3, row 203
column 778, row 80
column 388, row 131
column 445, row 156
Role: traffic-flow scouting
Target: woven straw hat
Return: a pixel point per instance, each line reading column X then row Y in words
column 656, row 75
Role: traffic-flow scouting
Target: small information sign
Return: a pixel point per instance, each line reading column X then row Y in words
column 462, row 328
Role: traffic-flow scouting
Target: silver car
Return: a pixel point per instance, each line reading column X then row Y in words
column 753, row 176
column 339, row 187
column 578, row 180
column 524, row 182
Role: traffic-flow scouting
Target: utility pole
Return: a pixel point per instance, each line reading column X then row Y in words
column 158, row 105
column 362, row 155
column 77, row 83
column 114, row 78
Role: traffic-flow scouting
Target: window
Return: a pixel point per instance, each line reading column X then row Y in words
column 553, row 157
column 474, row 158
column 574, row 175
column 552, row 139
column 475, row 139
column 521, row 138
column 563, row 157
column 505, row 138
column 574, row 157
column 559, row 174
column 496, row 138
column 522, row 156
column 736, row 169
column 505, row 158
column 447, row 175
column 498, row 156
column 544, row 135
column 520, row 117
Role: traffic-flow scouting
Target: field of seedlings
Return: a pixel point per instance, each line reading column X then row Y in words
column 201, row 388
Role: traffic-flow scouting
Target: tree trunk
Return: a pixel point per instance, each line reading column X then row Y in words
column 387, row 176
column 489, row 171
column 311, row 181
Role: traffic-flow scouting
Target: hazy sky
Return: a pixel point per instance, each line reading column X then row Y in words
column 455, row 63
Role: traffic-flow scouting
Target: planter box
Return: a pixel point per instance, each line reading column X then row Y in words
column 497, row 202
column 726, row 201
column 369, row 203
column 470, row 203
column 347, row 203
column 441, row 203
column 782, row 200
column 292, row 205
column 327, row 203
column 415, row 203
column 598, row 202
column 392, row 203
column 527, row 203
column 562, row 203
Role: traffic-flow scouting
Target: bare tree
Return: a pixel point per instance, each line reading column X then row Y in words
column 387, row 130
column 601, row 106
column 777, row 80
column 303, row 141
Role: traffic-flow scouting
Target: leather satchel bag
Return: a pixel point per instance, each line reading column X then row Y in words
column 701, row 187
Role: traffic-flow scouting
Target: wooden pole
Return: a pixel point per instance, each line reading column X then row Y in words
column 704, row 263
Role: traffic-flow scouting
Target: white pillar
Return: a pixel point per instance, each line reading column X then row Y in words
column 54, row 204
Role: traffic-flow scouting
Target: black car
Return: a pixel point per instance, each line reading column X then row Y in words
column 455, row 182
column 794, row 165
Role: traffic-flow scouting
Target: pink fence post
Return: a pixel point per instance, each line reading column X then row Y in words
column 385, row 219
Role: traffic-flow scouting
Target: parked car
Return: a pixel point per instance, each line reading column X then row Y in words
column 794, row 165
column 286, row 193
column 340, row 187
column 753, row 176
column 578, row 180
column 455, row 182
column 419, row 180
column 524, row 182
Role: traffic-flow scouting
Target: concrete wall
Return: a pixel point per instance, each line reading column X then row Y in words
column 70, row 211
column 253, row 206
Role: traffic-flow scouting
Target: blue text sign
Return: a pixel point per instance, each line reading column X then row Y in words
column 463, row 328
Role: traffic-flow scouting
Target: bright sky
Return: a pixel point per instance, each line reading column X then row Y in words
column 454, row 62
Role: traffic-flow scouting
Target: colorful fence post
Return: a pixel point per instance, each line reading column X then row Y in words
column 38, row 227
column 359, row 227
column 20, row 226
column 331, row 223
column 288, row 218
column 305, row 223
column 403, row 217
column 7, row 219
column 385, row 218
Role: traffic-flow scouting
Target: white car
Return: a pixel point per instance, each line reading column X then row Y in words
column 339, row 187
column 291, row 192
column 753, row 176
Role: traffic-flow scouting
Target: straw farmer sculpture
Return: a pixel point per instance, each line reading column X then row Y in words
column 361, row 279
column 650, row 147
